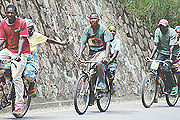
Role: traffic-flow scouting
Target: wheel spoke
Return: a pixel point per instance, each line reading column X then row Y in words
column 149, row 89
column 81, row 95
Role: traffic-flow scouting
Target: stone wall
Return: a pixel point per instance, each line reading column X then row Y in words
column 65, row 20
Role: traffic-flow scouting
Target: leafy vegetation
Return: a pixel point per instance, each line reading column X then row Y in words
column 151, row 11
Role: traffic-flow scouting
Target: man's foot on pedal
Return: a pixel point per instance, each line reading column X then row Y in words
column 32, row 92
column 101, row 85
column 174, row 90
column 155, row 100
column 18, row 109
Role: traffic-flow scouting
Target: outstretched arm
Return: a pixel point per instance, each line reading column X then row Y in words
column 56, row 42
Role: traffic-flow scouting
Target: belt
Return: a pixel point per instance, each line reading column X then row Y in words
column 98, row 50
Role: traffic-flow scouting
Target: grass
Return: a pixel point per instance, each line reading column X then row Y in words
column 151, row 11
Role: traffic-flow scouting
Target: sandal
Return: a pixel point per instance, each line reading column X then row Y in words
column 32, row 92
column 174, row 90
column 18, row 109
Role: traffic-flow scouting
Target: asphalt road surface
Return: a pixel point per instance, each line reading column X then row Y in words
column 119, row 110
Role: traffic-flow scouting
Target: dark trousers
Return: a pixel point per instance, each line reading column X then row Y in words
column 170, row 80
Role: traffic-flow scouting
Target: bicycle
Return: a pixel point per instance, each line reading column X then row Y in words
column 155, row 82
column 8, row 95
column 85, row 87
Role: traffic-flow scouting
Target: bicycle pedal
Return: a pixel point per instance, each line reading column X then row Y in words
column 99, row 96
column 101, row 90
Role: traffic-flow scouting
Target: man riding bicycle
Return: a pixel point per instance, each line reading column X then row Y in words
column 166, row 45
column 14, row 32
column 98, row 37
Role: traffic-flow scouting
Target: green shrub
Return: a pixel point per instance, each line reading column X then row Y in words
column 151, row 11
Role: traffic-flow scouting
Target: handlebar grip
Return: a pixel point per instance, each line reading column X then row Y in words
column 18, row 60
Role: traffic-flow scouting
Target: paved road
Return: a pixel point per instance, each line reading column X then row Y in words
column 132, row 110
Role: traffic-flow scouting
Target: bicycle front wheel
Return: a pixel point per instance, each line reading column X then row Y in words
column 104, row 97
column 81, row 95
column 27, row 101
column 149, row 89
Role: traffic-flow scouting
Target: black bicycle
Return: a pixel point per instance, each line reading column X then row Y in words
column 155, row 85
column 8, row 93
column 85, row 87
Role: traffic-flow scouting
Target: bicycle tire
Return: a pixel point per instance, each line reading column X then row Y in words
column 27, row 101
column 82, row 94
column 172, row 99
column 104, row 105
column 149, row 86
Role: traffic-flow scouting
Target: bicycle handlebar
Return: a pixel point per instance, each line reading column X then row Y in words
column 151, row 60
column 82, row 61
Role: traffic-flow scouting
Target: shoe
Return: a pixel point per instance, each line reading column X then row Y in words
column 174, row 90
column 32, row 92
column 101, row 85
column 155, row 100
column 18, row 109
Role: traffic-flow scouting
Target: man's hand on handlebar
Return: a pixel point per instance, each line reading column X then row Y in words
column 16, row 58
column 147, row 59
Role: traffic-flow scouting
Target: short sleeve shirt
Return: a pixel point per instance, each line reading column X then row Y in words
column 36, row 39
column 115, row 45
column 96, row 41
column 164, row 41
column 12, row 33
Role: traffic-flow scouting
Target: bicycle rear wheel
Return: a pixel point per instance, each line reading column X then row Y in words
column 104, row 97
column 81, row 95
column 149, row 89
column 27, row 101
column 172, row 99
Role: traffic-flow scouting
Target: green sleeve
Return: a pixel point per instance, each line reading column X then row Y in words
column 84, row 36
column 173, row 38
column 156, row 36
column 107, row 35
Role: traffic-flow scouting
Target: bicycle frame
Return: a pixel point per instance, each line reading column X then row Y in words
column 85, row 96
column 88, row 73
column 160, row 76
